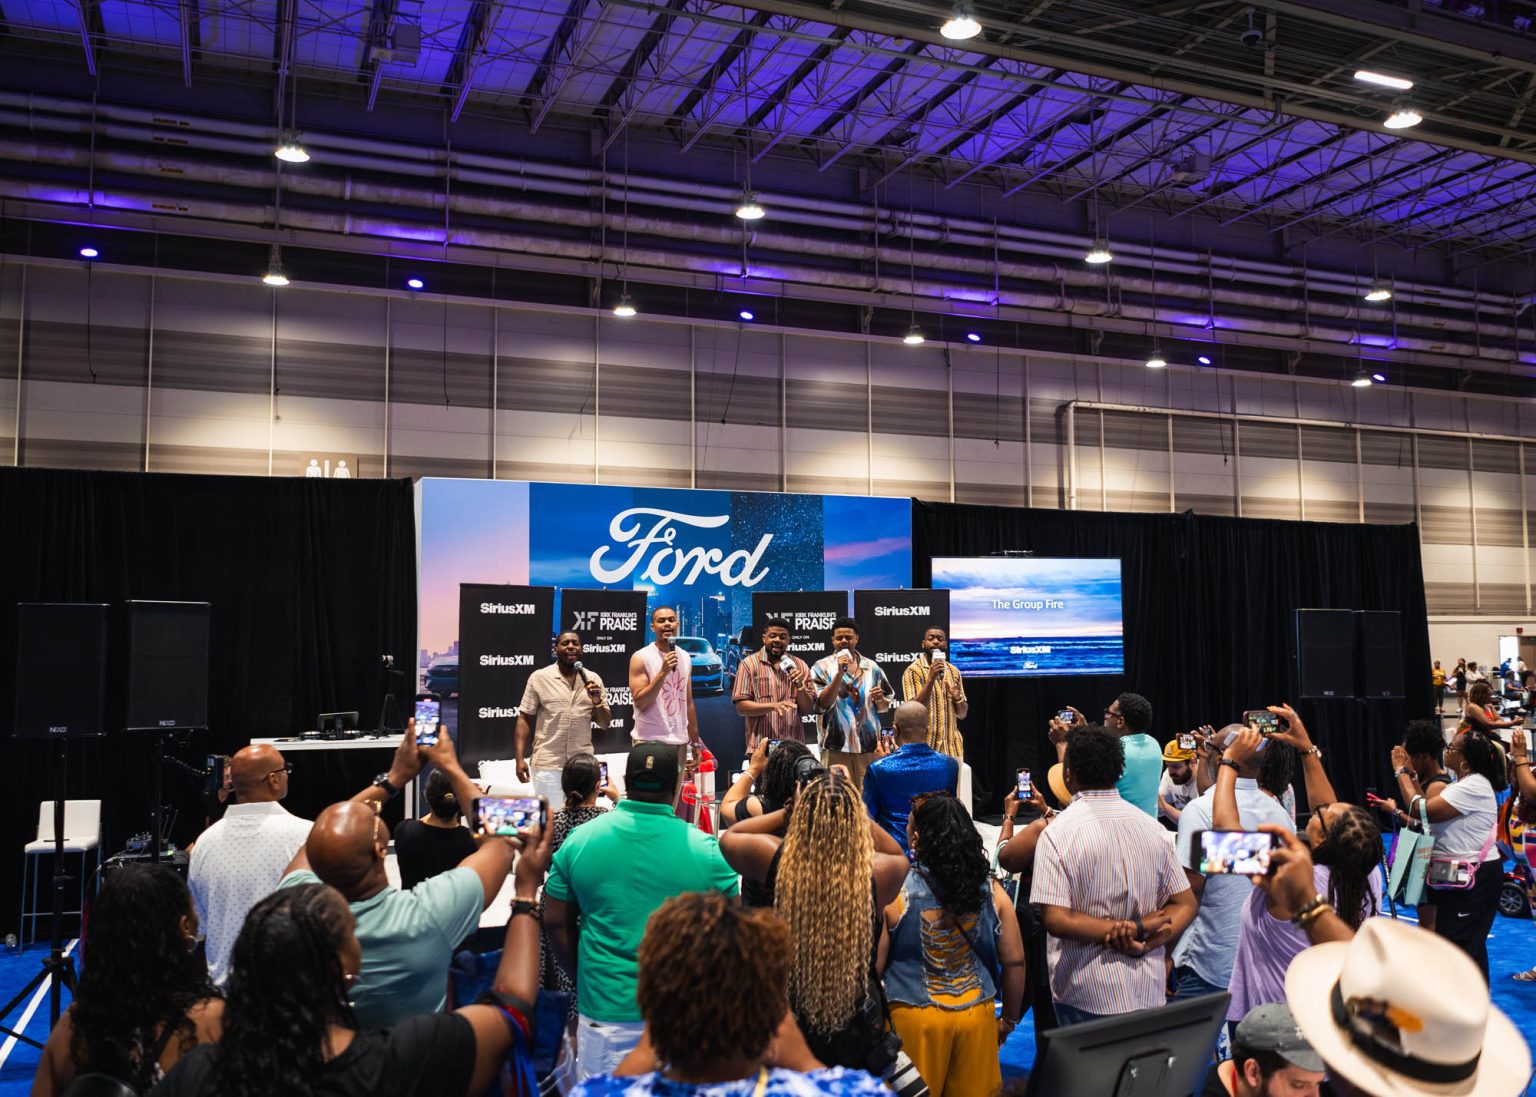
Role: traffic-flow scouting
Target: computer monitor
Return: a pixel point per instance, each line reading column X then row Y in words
column 335, row 725
column 1162, row 1052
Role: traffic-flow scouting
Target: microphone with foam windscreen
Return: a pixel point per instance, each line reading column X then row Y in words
column 579, row 669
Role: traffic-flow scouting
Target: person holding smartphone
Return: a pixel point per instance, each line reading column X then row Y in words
column 560, row 704
column 913, row 768
column 934, row 682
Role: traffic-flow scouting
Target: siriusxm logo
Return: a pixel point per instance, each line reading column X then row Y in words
column 488, row 712
column 506, row 660
column 664, row 564
column 903, row 611
column 506, row 607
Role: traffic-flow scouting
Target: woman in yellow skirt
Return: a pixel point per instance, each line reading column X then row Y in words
column 953, row 949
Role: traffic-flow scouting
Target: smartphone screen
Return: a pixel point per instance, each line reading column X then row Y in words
column 1066, row 716
column 888, row 734
column 506, row 815
column 1266, row 722
column 1231, row 852
column 1186, row 740
column 1026, row 790
column 602, row 775
column 428, row 714
column 773, row 745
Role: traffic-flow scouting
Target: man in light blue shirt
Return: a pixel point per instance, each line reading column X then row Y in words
column 1203, row 959
column 1129, row 716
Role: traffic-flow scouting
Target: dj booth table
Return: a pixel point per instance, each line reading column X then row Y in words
column 328, row 771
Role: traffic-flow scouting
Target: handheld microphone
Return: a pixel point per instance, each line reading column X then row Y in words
column 580, row 670
column 786, row 664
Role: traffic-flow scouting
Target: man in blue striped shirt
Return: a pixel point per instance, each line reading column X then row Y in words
column 1110, row 889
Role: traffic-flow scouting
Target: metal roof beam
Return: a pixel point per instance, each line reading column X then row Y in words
column 1267, row 199
column 1141, row 162
column 852, row 107
column 572, row 37
column 919, row 116
column 1268, row 170
column 655, row 34
column 637, row 97
column 88, row 16
column 721, row 66
column 728, row 100
column 1033, row 137
column 379, row 16
column 189, row 16
column 468, row 51
column 1389, row 177
column 799, row 76
column 802, row 73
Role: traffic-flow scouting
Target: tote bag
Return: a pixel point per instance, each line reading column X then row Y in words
column 1410, row 862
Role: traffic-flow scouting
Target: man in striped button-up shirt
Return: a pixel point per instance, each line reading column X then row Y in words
column 1110, row 887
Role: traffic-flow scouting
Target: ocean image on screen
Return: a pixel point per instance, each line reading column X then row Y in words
column 1026, row 617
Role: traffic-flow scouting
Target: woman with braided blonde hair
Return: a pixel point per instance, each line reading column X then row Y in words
column 831, row 875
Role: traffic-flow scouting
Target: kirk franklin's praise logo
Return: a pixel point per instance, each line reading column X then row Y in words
column 668, row 564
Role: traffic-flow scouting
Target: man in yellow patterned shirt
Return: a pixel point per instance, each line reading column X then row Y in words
column 933, row 681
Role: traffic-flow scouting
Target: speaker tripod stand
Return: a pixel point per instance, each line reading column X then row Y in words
column 57, row 967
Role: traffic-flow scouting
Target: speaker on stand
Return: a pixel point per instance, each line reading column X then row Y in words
column 166, row 682
column 61, row 689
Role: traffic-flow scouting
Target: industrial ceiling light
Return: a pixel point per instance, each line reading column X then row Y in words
column 1203, row 360
column 291, row 150
column 914, row 336
column 88, row 252
column 1157, row 361
column 275, row 275
column 1378, row 293
column 1379, row 378
column 749, row 208
column 1404, row 117
column 625, row 308
column 415, row 283
column 747, row 315
column 962, row 24
column 1362, row 380
column 1100, row 252
column 973, row 336
column 1382, row 80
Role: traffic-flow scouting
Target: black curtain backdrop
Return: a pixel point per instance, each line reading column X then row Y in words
column 311, row 581
column 1209, row 628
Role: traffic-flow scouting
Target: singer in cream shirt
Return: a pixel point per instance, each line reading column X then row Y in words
column 559, row 707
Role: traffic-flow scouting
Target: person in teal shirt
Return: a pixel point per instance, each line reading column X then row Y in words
column 605, row 882
column 1129, row 716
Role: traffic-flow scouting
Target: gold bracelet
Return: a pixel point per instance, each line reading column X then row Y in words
column 1305, row 920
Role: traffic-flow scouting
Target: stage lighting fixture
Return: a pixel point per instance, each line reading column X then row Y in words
column 745, row 315
column 1382, row 80
column 1203, row 360
column 291, row 150
column 1378, row 293
column 88, row 252
column 749, row 208
column 1157, row 361
column 625, row 308
column 1362, row 380
column 1100, row 252
column 913, row 337
column 1379, row 378
column 1403, row 118
column 973, row 336
column 415, row 283
column 962, row 24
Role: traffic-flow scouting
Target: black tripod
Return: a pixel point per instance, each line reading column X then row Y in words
column 57, row 967
column 389, row 711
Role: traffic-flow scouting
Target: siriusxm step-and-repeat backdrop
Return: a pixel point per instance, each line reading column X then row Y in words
column 612, row 553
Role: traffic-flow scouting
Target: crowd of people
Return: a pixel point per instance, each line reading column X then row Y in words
column 847, row 932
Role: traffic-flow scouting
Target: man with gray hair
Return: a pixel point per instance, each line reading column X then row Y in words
column 913, row 767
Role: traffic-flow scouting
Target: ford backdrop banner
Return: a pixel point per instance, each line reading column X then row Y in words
column 705, row 553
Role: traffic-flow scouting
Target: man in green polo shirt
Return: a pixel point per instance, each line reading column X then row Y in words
column 604, row 883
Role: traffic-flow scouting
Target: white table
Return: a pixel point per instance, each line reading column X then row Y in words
column 289, row 745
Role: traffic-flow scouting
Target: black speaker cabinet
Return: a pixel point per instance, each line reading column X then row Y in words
column 1379, row 643
column 1325, row 652
column 167, row 665
column 61, row 670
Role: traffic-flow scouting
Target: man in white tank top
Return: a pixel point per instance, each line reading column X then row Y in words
column 659, row 681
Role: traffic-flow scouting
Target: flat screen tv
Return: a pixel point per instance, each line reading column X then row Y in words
column 1032, row 616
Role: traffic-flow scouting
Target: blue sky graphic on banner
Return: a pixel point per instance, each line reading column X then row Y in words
column 704, row 552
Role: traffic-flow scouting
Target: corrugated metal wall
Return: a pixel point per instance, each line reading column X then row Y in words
column 205, row 374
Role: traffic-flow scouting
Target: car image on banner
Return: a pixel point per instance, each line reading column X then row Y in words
column 707, row 673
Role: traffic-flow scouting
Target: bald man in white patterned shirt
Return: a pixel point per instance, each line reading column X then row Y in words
column 238, row 861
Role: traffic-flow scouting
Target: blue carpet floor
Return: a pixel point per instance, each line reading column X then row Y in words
column 1511, row 947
